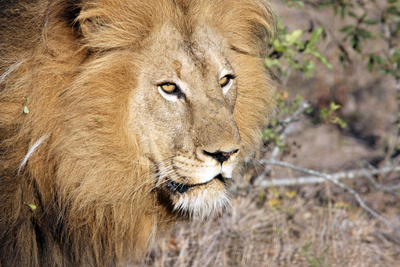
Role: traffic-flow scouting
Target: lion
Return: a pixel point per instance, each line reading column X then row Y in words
column 119, row 118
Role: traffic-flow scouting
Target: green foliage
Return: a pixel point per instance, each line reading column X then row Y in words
column 286, row 107
column 269, row 135
column 328, row 115
column 366, row 21
column 288, row 46
column 364, row 25
column 297, row 50
column 370, row 24
column 273, row 133
column 294, row 3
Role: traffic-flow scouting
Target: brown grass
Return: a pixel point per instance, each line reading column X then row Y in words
column 282, row 228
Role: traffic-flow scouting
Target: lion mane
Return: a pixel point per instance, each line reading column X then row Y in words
column 77, row 185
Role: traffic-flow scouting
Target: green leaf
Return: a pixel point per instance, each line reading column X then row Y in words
column 339, row 121
column 369, row 22
column 98, row 119
column 371, row 62
column 292, row 37
column 32, row 206
column 393, row 11
column 383, row 71
column 325, row 5
column 334, row 107
column 321, row 58
column 352, row 14
column 355, row 43
column 315, row 36
column 346, row 28
column 309, row 66
column 324, row 113
column 272, row 62
column 298, row 3
column 278, row 46
column 365, row 34
column 342, row 12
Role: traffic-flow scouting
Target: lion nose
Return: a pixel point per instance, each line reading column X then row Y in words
column 220, row 156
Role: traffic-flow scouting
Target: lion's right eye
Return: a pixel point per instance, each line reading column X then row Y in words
column 169, row 88
column 171, row 91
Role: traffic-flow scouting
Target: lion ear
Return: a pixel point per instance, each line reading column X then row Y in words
column 90, row 21
column 72, row 24
column 60, row 28
column 107, row 25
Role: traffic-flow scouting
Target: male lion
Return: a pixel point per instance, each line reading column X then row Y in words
column 118, row 117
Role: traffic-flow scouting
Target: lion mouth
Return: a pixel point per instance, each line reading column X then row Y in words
column 181, row 188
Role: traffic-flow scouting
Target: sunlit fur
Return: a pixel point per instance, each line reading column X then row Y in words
column 97, row 149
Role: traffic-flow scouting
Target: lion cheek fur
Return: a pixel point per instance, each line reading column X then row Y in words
column 78, row 177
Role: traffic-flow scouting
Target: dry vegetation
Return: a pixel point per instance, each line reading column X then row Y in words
column 293, row 232
column 310, row 225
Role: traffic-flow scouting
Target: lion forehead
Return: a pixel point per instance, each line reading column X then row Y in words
column 201, row 46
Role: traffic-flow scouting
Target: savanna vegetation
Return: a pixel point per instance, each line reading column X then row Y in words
column 325, row 189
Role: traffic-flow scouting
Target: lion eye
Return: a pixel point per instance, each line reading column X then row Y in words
column 169, row 88
column 224, row 81
column 171, row 91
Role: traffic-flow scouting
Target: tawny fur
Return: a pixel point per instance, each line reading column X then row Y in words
column 76, row 155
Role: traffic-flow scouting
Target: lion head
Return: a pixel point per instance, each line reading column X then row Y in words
column 120, row 117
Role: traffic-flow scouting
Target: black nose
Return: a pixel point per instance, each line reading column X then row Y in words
column 221, row 156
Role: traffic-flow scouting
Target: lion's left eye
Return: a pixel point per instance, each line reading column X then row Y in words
column 224, row 81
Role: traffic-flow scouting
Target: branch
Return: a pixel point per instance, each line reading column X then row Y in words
column 285, row 128
column 352, row 174
column 335, row 181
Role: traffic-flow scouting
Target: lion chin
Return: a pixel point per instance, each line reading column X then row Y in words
column 120, row 118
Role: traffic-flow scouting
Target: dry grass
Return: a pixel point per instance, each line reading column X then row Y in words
column 300, row 227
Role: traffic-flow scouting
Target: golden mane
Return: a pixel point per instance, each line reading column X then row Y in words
column 74, row 189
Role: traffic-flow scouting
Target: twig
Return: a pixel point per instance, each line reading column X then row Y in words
column 285, row 128
column 352, row 174
column 293, row 117
column 336, row 182
column 378, row 186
